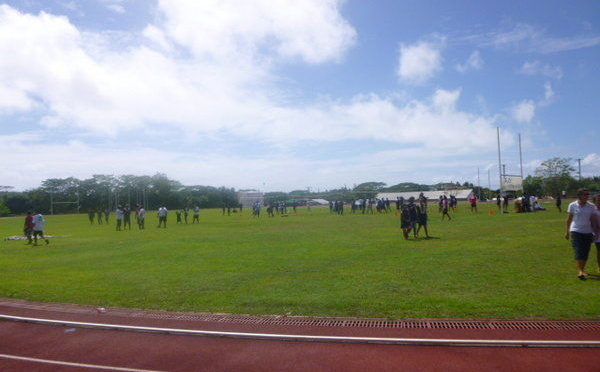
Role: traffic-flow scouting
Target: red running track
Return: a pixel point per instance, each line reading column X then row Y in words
column 44, row 348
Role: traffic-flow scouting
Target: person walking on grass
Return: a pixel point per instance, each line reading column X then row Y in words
column 28, row 227
column 405, row 221
column 579, row 229
column 38, row 228
column 559, row 202
column 596, row 227
column 445, row 208
column 422, row 219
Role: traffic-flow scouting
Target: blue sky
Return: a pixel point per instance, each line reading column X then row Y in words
column 278, row 95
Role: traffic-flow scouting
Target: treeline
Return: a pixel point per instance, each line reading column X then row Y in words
column 71, row 195
column 101, row 192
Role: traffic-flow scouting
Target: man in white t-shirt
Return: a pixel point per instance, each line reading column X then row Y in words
column 38, row 228
column 196, row 214
column 579, row 229
column 142, row 218
column 162, row 217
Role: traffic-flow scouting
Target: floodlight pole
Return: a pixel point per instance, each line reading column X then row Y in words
column 499, row 159
column 520, row 157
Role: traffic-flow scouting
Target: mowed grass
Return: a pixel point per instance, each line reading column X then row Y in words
column 318, row 264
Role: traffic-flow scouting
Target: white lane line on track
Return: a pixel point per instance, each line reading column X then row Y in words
column 311, row 338
column 70, row 364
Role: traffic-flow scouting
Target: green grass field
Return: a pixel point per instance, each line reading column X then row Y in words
column 476, row 266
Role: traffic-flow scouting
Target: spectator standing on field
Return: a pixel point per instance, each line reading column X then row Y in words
column 119, row 217
column 473, row 201
column 505, row 202
column 142, row 218
column 579, row 229
column 38, row 228
column 162, row 217
column 196, row 214
column 127, row 218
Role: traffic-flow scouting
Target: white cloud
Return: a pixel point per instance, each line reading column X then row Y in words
column 535, row 39
column 548, row 95
column 227, row 30
column 474, row 62
column 523, row 112
column 536, row 68
column 590, row 165
column 114, row 5
column 420, row 62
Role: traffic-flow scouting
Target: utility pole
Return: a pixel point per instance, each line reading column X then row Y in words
column 579, row 165
column 520, row 156
column 499, row 159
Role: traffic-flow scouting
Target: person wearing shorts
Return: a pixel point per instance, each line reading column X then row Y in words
column 422, row 219
column 38, row 228
column 596, row 227
column 28, row 227
column 196, row 214
column 579, row 229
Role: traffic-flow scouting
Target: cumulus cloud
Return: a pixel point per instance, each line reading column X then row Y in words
column 419, row 62
column 227, row 30
column 591, row 165
column 474, row 62
column 523, row 112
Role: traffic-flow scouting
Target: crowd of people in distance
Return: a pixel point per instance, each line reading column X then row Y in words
column 529, row 203
column 123, row 216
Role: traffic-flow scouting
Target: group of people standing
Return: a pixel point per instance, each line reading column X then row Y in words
column 413, row 217
column 123, row 217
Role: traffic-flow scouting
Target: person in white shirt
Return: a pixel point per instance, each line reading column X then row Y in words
column 119, row 216
column 196, row 214
column 162, row 217
column 142, row 218
column 596, row 227
column 38, row 228
column 579, row 229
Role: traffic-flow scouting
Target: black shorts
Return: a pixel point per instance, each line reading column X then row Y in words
column 582, row 243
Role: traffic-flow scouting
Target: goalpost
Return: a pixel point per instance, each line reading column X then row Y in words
column 52, row 203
